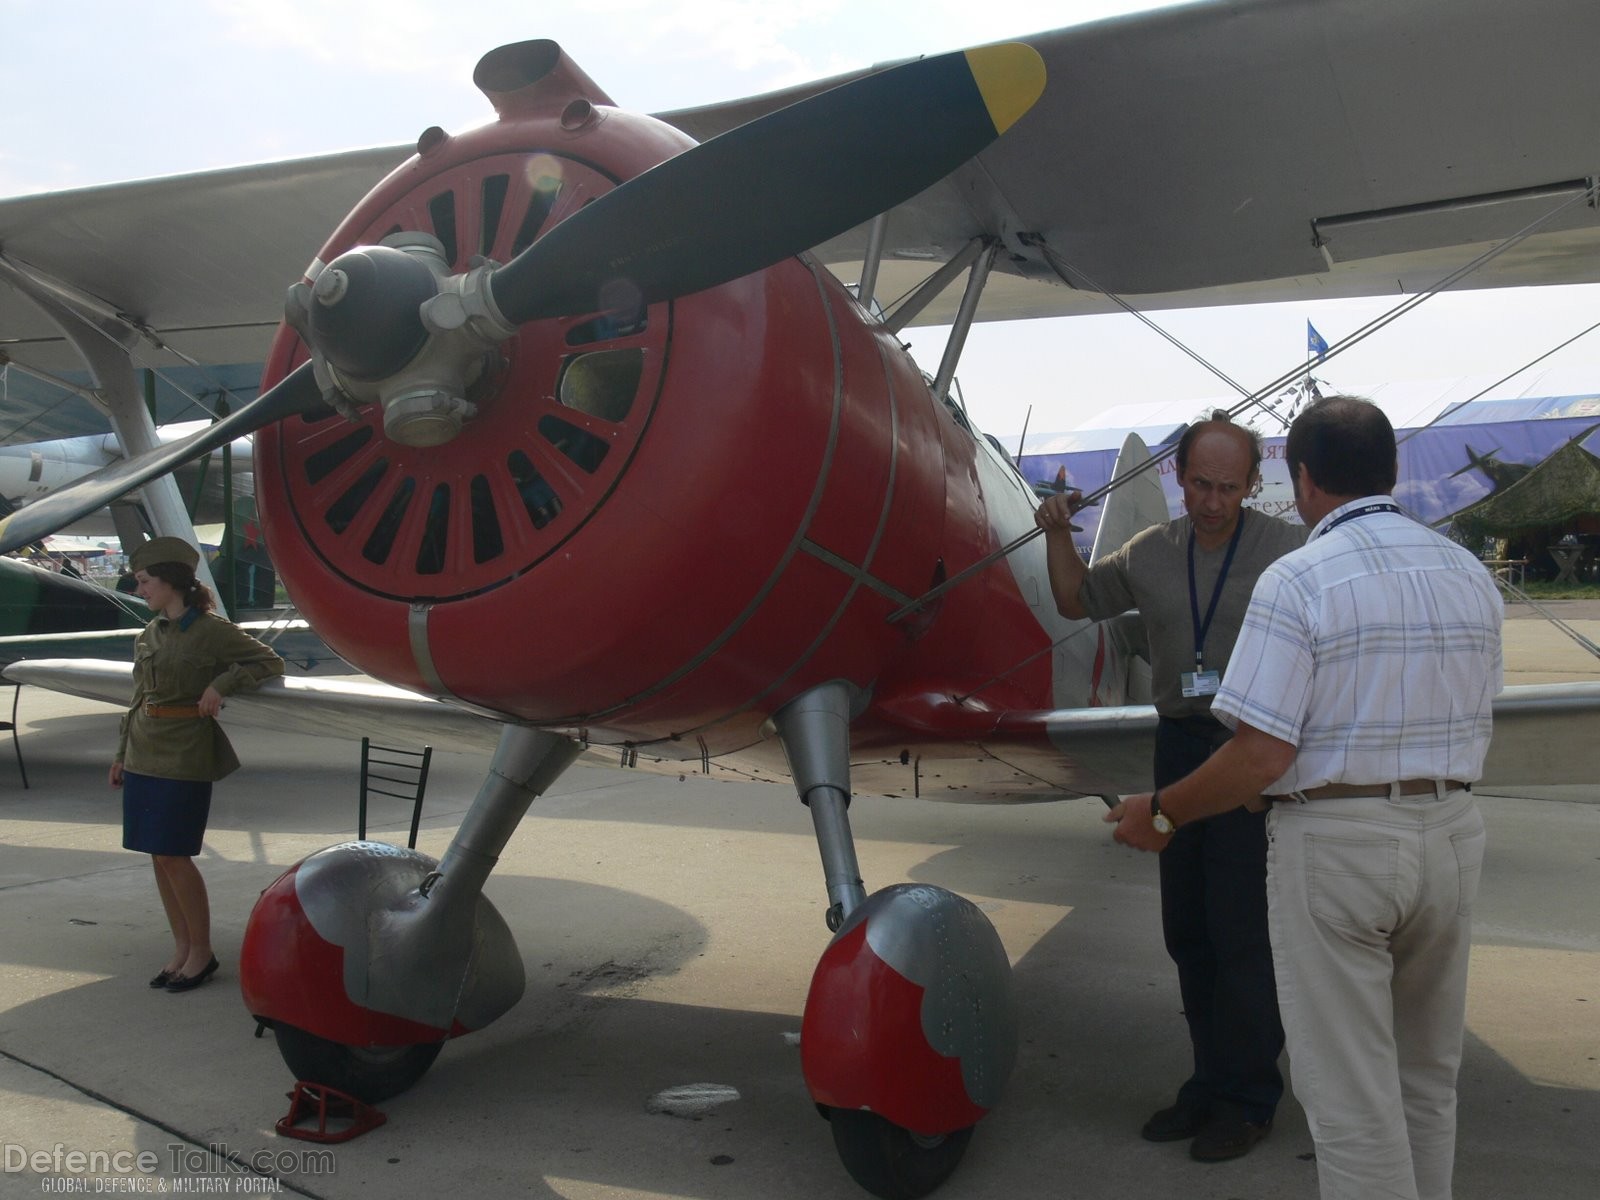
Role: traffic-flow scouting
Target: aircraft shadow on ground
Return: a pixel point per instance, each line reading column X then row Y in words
column 558, row 1088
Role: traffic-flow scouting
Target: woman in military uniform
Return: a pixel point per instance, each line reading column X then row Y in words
column 171, row 749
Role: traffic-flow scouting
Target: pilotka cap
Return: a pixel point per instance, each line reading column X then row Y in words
column 164, row 550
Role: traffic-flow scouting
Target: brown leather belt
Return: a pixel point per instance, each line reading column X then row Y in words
column 1346, row 791
column 172, row 710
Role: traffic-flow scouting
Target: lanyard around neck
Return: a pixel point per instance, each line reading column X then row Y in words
column 1200, row 627
column 1363, row 511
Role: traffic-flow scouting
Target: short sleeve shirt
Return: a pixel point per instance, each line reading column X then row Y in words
column 1375, row 651
column 1150, row 572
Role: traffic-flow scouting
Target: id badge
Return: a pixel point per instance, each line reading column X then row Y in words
column 1200, row 683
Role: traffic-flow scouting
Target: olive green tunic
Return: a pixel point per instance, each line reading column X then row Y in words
column 174, row 661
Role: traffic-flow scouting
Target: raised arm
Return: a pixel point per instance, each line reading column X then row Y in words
column 1066, row 566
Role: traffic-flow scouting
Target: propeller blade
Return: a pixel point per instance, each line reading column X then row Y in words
column 296, row 393
column 732, row 206
column 773, row 187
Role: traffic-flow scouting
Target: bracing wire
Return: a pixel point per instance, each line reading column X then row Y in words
column 1066, row 271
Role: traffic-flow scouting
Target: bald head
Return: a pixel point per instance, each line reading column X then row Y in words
column 1217, row 470
column 1220, row 423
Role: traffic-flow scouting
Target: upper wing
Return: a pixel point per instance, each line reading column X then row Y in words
column 201, row 262
column 1269, row 150
column 1206, row 154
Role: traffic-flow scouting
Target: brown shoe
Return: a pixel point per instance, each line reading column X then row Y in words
column 1227, row 1135
column 1177, row 1122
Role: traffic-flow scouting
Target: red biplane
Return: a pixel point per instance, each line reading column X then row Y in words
column 504, row 455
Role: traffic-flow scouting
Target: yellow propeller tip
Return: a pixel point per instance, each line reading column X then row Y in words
column 1010, row 77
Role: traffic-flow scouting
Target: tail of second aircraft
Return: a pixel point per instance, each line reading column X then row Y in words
column 1135, row 503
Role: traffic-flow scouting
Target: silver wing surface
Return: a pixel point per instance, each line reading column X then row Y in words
column 1543, row 735
column 1213, row 153
column 343, row 707
column 1224, row 153
column 190, row 267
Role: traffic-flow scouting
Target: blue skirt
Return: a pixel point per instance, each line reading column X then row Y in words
column 164, row 816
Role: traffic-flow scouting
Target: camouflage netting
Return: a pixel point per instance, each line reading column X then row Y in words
column 1559, row 490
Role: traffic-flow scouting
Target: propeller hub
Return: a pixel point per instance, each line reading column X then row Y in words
column 331, row 287
column 389, row 323
column 365, row 312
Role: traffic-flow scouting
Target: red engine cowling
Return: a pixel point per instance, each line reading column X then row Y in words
column 652, row 532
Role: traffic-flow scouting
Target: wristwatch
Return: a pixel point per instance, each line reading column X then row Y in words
column 1159, row 819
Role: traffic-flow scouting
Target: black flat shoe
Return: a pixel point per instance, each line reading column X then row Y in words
column 163, row 978
column 184, row 983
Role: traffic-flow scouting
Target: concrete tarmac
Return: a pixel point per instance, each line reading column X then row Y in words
column 669, row 929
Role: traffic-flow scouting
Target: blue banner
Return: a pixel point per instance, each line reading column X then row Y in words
column 1443, row 468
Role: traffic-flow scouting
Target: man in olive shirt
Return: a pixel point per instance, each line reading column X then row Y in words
column 1191, row 580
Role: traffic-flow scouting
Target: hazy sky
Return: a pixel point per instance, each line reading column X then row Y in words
column 95, row 91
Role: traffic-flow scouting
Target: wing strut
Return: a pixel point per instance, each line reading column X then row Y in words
column 906, row 311
column 867, row 286
column 956, row 342
column 105, row 347
column 1065, row 270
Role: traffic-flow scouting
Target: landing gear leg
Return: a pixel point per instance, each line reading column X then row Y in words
column 815, row 731
column 909, row 1032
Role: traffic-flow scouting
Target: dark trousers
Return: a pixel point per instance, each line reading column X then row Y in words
column 1214, row 918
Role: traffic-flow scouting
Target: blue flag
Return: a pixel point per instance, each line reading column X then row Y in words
column 1316, row 344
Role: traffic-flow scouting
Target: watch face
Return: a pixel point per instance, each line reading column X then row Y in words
column 1162, row 822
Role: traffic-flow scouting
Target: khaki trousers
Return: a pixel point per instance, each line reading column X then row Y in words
column 1370, row 913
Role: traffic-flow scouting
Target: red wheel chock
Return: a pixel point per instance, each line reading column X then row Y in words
column 315, row 1102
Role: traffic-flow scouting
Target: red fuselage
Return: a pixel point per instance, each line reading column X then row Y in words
column 658, row 532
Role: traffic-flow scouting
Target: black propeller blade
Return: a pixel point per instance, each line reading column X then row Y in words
column 735, row 205
column 296, row 393
column 773, row 187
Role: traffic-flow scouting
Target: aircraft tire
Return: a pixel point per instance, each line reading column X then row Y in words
column 891, row 1162
column 370, row 1074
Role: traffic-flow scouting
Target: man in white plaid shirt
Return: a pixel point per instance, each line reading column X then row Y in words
column 1360, row 689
